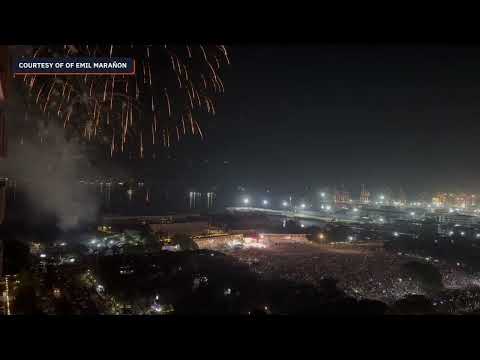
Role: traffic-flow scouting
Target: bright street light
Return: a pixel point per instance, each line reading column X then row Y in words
column 246, row 200
column 285, row 203
column 322, row 194
column 265, row 202
column 303, row 206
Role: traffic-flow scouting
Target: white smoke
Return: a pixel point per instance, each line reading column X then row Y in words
column 48, row 168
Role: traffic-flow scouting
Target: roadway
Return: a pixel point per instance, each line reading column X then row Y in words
column 302, row 214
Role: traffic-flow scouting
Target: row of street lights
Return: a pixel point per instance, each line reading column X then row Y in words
column 265, row 202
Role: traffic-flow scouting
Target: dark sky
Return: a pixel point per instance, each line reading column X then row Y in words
column 317, row 115
column 324, row 114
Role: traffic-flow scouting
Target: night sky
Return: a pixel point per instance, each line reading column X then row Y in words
column 318, row 115
column 296, row 116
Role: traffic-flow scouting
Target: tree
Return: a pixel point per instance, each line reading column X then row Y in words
column 293, row 227
column 26, row 301
column 184, row 241
column 150, row 239
column 338, row 233
column 16, row 256
column 413, row 304
column 427, row 274
column 315, row 234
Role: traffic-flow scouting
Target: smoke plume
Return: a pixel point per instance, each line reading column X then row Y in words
column 48, row 167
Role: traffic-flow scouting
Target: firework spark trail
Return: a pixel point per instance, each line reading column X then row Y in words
column 168, row 103
column 96, row 107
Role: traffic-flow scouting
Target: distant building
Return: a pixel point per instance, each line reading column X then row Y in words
column 210, row 200
column 342, row 196
column 465, row 201
column 283, row 238
column 364, row 195
column 188, row 228
column 452, row 200
column 217, row 241
column 193, row 199
column 456, row 219
column 441, row 200
column 402, row 197
column 385, row 214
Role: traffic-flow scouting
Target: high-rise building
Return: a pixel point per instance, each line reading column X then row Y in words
column 364, row 195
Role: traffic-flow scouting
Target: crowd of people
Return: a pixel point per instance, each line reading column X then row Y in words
column 361, row 272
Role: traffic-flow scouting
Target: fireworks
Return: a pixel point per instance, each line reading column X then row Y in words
column 163, row 102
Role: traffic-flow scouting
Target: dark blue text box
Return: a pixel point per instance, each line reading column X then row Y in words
column 74, row 66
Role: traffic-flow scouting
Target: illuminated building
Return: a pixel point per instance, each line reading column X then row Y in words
column 460, row 201
column 465, row 201
column 457, row 219
column 438, row 201
column 364, row 195
column 388, row 194
column 342, row 196
column 471, row 201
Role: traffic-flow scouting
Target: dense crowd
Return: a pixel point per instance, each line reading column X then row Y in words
column 361, row 271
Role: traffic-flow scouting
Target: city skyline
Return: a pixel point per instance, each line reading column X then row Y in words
column 309, row 179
